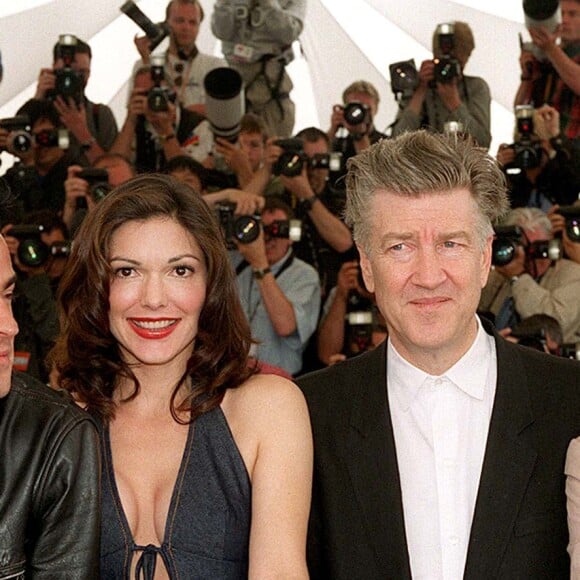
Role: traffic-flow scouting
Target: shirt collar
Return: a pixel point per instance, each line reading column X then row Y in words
column 469, row 373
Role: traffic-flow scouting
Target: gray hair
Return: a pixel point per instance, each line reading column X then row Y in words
column 529, row 219
column 419, row 163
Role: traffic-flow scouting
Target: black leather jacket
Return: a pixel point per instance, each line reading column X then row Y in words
column 49, row 486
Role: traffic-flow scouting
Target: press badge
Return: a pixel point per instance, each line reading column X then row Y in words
column 243, row 53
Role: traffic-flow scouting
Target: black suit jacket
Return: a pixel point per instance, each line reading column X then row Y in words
column 519, row 529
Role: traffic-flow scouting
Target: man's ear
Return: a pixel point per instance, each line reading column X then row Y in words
column 365, row 266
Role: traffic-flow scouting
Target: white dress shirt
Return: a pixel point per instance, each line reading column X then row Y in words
column 440, row 427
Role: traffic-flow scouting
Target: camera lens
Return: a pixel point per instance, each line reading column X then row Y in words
column 20, row 142
column 503, row 251
column 355, row 113
column 573, row 229
column 246, row 229
column 32, row 252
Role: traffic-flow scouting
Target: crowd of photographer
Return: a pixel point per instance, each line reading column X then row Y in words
column 224, row 126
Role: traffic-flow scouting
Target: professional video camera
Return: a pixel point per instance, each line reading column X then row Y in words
column 571, row 214
column 99, row 187
column 528, row 151
column 447, row 67
column 292, row 160
column 404, row 78
column 154, row 32
column 508, row 238
column 68, row 83
column 32, row 251
column 158, row 96
column 20, row 138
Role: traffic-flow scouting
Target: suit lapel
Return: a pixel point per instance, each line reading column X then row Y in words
column 507, row 468
column 372, row 464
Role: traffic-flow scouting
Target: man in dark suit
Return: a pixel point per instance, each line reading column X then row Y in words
column 441, row 453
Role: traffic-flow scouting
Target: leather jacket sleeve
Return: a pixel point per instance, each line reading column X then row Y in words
column 49, row 492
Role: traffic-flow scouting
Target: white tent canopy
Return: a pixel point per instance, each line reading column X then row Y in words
column 343, row 41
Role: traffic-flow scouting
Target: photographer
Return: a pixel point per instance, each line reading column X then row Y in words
column 37, row 281
column 280, row 293
column 556, row 80
column 304, row 173
column 84, row 188
column 257, row 39
column 157, row 128
column 350, row 323
column 531, row 283
column 561, row 225
column 444, row 92
column 38, row 179
column 185, row 65
column 92, row 126
column 541, row 167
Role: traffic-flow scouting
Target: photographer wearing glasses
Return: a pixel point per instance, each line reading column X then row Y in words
column 530, row 277
column 444, row 93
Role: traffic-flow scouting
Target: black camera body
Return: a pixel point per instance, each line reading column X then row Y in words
column 571, row 214
column 528, row 151
column 447, row 67
column 20, row 138
column 359, row 322
column 404, row 78
column 53, row 138
column 332, row 161
column 98, row 180
column 292, row 160
column 158, row 96
column 285, row 229
column 69, row 84
column 32, row 251
column 241, row 228
column 156, row 33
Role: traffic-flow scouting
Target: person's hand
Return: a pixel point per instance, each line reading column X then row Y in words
column 347, row 279
column 543, row 38
column 142, row 43
column 449, row 94
column 546, row 122
column 246, row 203
column 162, row 121
column 505, row 154
column 298, row 185
column 336, row 119
column 529, row 65
column 557, row 220
column 236, row 159
column 76, row 188
column 137, row 104
column 46, row 82
column 255, row 252
column 426, row 73
column 336, row 358
column 73, row 117
column 516, row 267
column 272, row 152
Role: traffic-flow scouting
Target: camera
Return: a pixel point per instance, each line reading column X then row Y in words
column 571, row 214
column 453, row 128
column 292, row 160
column 570, row 350
column 528, row 151
column 154, row 32
column 359, row 323
column 286, row 229
column 447, row 67
column 68, row 83
column 20, row 138
column 356, row 113
column 331, row 161
column 505, row 242
column 404, row 78
column 158, row 97
column 32, row 251
column 544, row 13
column 52, row 138
column 98, row 180
column 224, row 102
column 243, row 228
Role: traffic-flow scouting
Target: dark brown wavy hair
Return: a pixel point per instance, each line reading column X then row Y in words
column 87, row 355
